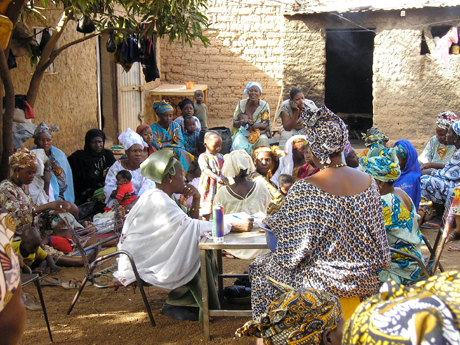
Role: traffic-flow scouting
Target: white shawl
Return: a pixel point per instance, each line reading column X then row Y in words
column 36, row 188
column 287, row 162
column 163, row 241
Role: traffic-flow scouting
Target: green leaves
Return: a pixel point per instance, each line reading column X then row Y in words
column 178, row 19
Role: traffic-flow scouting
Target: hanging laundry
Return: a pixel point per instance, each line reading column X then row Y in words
column 149, row 57
column 444, row 45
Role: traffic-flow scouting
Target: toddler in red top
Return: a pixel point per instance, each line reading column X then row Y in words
column 125, row 186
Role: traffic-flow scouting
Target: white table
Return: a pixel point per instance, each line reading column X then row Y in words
column 234, row 240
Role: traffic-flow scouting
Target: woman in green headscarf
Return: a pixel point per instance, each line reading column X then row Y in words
column 163, row 237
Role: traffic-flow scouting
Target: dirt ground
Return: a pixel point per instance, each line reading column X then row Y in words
column 105, row 316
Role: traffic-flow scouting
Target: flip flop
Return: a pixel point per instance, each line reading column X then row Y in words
column 50, row 282
column 71, row 284
column 455, row 248
column 30, row 302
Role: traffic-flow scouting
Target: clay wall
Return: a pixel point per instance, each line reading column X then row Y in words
column 68, row 96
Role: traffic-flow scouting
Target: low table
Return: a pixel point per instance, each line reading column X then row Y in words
column 234, row 240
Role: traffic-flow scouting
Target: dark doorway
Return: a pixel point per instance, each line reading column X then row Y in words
column 349, row 55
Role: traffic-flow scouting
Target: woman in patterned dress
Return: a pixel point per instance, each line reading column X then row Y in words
column 330, row 229
column 62, row 180
column 439, row 186
column 266, row 162
column 400, row 214
column 437, row 153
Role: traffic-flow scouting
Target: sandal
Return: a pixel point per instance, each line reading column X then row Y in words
column 71, row 284
column 30, row 302
column 455, row 248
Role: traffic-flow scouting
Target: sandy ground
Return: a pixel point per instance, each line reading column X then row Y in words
column 105, row 316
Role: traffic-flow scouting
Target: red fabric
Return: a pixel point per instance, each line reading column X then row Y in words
column 62, row 244
column 303, row 172
column 28, row 111
column 151, row 149
column 122, row 190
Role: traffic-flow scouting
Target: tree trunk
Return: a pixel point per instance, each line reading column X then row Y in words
column 7, row 116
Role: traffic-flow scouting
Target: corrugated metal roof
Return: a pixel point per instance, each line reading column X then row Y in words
column 308, row 7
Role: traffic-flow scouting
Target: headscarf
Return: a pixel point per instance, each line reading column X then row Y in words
column 297, row 316
column 159, row 164
column 409, row 181
column 184, row 102
column 90, row 135
column 162, row 107
column 295, row 141
column 43, row 130
column 445, row 119
column 381, row 163
column 326, row 133
column 425, row 313
column 128, row 138
column 456, row 127
column 236, row 161
column 374, row 136
column 250, row 84
column 139, row 130
column 22, row 159
column 347, row 149
column 273, row 155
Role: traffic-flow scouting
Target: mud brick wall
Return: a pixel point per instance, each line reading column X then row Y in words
column 67, row 97
column 246, row 45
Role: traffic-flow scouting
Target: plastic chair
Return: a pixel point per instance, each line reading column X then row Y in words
column 27, row 279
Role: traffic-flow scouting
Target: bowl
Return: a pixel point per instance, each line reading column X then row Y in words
column 270, row 237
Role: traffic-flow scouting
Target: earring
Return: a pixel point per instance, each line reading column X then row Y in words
column 17, row 175
column 170, row 181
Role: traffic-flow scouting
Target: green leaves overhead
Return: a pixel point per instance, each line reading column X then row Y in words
column 178, row 19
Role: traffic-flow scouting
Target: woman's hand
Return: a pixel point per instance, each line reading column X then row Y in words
column 265, row 221
column 114, row 193
column 191, row 191
column 59, row 206
column 220, row 180
column 47, row 172
column 244, row 225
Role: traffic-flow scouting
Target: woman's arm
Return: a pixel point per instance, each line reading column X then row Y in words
column 290, row 122
column 13, row 319
column 262, row 127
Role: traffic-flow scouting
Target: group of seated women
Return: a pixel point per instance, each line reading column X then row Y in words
column 334, row 217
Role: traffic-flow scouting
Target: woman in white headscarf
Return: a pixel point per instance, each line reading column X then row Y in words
column 259, row 112
column 133, row 144
column 243, row 195
column 40, row 190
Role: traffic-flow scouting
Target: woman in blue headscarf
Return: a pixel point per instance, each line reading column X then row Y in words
column 258, row 111
column 167, row 134
column 409, row 181
column 438, row 187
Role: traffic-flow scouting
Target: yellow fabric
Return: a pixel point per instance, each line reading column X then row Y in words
column 349, row 306
column 29, row 260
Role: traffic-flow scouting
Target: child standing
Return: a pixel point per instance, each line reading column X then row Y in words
column 211, row 163
column 125, row 186
column 191, row 136
column 201, row 110
column 28, row 248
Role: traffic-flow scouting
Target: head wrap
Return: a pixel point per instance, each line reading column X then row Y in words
column 159, row 164
column 326, row 133
column 250, row 84
column 43, row 130
column 456, row 127
column 374, row 136
column 184, row 102
column 347, row 149
column 287, row 163
column 140, row 128
column 162, row 107
column 381, row 163
column 297, row 316
column 425, row 313
column 236, row 161
column 445, row 119
column 273, row 155
column 128, row 138
column 22, row 159
column 409, row 180
column 90, row 135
